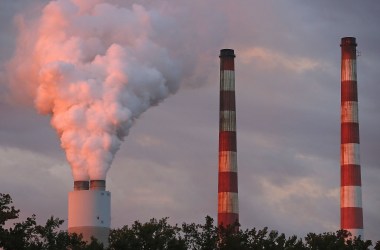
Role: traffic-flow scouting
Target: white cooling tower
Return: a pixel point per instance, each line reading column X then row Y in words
column 89, row 212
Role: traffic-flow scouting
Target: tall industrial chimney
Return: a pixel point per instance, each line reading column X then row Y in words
column 89, row 210
column 350, row 190
column 228, row 207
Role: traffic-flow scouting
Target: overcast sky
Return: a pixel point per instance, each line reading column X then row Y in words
column 288, row 119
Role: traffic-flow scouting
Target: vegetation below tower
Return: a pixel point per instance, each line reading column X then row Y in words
column 159, row 235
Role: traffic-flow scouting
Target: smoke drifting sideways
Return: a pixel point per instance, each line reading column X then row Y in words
column 95, row 67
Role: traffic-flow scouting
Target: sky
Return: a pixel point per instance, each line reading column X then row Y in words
column 288, row 117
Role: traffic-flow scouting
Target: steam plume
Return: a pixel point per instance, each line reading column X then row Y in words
column 95, row 67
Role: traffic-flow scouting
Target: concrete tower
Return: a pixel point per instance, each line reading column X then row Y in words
column 228, row 207
column 350, row 191
column 89, row 210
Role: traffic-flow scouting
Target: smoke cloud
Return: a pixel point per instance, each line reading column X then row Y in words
column 95, row 67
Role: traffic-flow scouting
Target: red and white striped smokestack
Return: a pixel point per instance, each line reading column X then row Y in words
column 350, row 189
column 228, row 207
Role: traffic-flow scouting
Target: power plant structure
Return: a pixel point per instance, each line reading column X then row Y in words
column 228, row 206
column 350, row 190
column 89, row 205
column 89, row 210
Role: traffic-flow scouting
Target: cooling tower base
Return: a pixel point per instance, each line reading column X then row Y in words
column 100, row 233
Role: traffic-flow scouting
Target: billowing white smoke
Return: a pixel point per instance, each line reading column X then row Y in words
column 95, row 67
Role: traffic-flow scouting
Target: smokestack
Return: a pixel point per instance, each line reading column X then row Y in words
column 350, row 189
column 228, row 207
column 81, row 185
column 89, row 211
column 98, row 185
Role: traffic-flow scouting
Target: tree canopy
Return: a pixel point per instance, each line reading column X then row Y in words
column 160, row 235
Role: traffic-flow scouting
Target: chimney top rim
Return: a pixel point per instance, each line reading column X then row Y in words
column 348, row 41
column 227, row 53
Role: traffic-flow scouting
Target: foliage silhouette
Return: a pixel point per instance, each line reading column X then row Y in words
column 159, row 235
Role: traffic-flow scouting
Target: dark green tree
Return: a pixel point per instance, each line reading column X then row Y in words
column 231, row 237
column 159, row 235
column 377, row 247
column 201, row 237
column 7, row 212
column 152, row 235
column 335, row 241
column 210, row 237
column 264, row 239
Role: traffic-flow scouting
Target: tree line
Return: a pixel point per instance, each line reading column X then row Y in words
column 160, row 235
